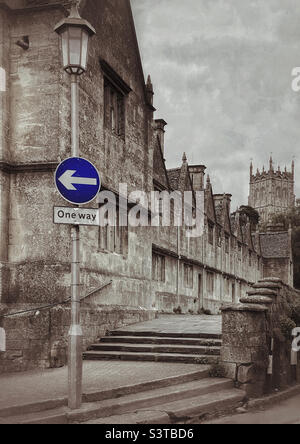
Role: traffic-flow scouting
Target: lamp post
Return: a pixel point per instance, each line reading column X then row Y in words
column 75, row 33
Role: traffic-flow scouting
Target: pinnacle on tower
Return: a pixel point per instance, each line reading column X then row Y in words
column 251, row 169
column 149, row 90
column 184, row 158
column 208, row 183
column 271, row 164
column 149, row 84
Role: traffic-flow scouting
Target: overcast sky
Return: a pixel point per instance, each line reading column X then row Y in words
column 221, row 71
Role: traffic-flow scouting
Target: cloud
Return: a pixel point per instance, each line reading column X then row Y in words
column 222, row 76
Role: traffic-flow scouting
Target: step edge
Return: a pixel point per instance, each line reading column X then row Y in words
column 119, row 408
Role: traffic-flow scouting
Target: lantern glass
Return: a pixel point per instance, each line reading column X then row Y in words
column 65, row 47
column 75, row 46
column 84, row 49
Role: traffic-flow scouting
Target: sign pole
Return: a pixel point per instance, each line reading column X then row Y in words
column 75, row 333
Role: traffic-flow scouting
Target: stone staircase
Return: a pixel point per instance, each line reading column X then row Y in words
column 191, row 397
column 190, row 348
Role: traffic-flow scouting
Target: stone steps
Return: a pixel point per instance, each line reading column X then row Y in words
column 152, row 399
column 154, row 357
column 161, row 340
column 187, row 411
column 157, row 346
column 169, row 405
column 147, row 348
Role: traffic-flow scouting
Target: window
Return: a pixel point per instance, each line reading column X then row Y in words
column 278, row 193
column 227, row 244
column 240, row 251
column 158, row 268
column 219, row 236
column 211, row 233
column 227, row 287
column 250, row 258
column 188, row 276
column 114, row 109
column 114, row 239
column 210, row 283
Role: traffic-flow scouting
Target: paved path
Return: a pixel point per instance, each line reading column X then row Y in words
column 180, row 324
column 286, row 412
column 30, row 387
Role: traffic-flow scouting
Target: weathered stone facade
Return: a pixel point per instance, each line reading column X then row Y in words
column 143, row 270
column 272, row 192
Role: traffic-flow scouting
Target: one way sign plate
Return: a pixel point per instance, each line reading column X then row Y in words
column 76, row 216
column 77, row 180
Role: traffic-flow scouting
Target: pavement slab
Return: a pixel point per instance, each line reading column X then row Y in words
column 180, row 324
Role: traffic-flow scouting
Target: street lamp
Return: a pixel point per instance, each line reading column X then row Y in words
column 75, row 33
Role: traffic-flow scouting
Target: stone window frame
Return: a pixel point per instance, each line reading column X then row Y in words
column 227, row 243
column 158, row 267
column 240, row 251
column 210, row 283
column 116, row 91
column 188, row 275
column 114, row 239
column 219, row 236
column 210, row 232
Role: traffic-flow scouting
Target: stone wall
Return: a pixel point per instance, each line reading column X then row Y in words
column 257, row 338
column 277, row 267
column 39, row 339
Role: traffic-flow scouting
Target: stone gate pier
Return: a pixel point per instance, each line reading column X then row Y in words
column 257, row 338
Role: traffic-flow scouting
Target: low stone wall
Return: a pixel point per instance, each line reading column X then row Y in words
column 39, row 340
column 257, row 338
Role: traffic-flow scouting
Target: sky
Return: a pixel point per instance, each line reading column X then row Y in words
column 222, row 76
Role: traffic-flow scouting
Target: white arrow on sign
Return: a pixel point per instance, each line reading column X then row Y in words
column 68, row 180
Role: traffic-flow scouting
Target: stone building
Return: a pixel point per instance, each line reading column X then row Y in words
column 127, row 273
column 272, row 191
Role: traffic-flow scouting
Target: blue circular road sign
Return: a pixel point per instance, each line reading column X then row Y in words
column 77, row 180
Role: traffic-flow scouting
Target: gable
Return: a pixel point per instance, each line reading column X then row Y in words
column 114, row 25
column 159, row 166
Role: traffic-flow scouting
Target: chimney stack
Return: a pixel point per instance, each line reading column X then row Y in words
column 160, row 132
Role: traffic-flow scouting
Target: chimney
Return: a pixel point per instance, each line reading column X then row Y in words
column 228, row 198
column 160, row 132
column 197, row 173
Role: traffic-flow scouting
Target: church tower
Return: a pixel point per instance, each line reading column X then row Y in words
column 272, row 191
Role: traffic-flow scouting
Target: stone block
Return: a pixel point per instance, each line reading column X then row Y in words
column 246, row 374
column 239, row 355
column 230, row 370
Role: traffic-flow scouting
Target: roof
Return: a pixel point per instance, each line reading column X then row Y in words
column 275, row 245
column 174, row 176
